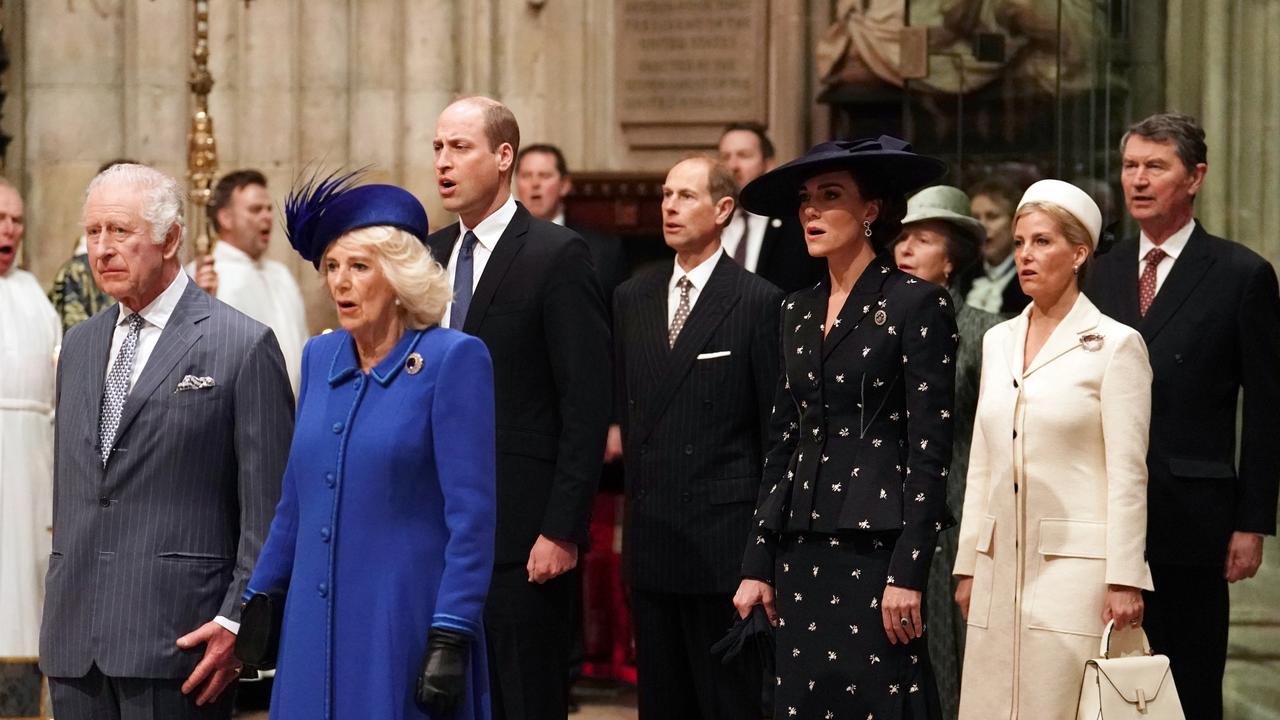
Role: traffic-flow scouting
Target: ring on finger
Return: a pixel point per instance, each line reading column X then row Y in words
column 905, row 622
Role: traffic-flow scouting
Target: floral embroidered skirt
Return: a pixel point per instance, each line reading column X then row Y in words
column 834, row 660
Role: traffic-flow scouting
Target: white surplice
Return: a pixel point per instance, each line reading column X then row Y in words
column 30, row 333
column 266, row 291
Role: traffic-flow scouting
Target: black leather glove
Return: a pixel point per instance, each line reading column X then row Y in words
column 443, row 678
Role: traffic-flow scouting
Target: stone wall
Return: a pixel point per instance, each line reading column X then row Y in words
column 325, row 82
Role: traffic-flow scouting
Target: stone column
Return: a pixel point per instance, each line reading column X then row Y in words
column 76, row 115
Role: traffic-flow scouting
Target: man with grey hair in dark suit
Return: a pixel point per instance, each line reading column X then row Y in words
column 174, row 416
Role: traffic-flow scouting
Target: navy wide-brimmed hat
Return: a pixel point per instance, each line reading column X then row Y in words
column 887, row 159
column 322, row 210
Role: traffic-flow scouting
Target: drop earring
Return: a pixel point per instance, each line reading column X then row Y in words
column 866, row 228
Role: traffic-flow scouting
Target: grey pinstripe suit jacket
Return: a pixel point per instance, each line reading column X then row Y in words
column 165, row 537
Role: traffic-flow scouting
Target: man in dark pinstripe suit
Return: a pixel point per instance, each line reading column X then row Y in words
column 697, row 360
column 174, row 415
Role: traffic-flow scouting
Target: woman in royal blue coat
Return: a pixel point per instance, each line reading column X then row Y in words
column 383, row 538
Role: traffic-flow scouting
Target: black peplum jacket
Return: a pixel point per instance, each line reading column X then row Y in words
column 861, row 430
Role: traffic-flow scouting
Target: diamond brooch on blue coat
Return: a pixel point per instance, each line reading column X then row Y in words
column 413, row 363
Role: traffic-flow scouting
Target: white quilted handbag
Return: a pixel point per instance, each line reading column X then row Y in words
column 1134, row 685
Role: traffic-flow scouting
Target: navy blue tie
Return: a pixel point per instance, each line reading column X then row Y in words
column 463, row 277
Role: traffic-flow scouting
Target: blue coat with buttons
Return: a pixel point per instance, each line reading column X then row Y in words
column 385, row 526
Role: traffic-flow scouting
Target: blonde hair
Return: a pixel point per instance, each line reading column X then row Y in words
column 1069, row 225
column 419, row 282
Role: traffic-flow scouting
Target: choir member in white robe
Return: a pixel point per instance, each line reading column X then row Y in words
column 30, row 333
column 265, row 290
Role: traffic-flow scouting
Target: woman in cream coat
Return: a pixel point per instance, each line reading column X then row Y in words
column 1054, row 527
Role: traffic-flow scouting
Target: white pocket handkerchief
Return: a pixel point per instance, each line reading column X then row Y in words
column 714, row 355
column 191, row 382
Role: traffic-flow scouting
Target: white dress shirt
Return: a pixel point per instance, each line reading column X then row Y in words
column 488, row 231
column 155, row 317
column 987, row 292
column 266, row 291
column 1173, row 246
column 748, row 226
column 697, row 276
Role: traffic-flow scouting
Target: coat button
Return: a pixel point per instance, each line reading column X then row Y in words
column 1015, row 383
column 1177, row 358
column 329, row 479
column 644, row 449
column 324, row 534
column 686, row 496
column 337, row 427
column 688, row 449
column 322, row 590
column 631, row 403
column 1015, row 434
column 104, row 502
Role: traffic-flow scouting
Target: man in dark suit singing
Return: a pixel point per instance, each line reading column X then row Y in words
column 527, row 288
column 697, row 361
column 542, row 182
column 174, row 416
column 1209, row 311
column 771, row 247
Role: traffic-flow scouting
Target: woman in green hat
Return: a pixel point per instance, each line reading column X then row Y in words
column 939, row 241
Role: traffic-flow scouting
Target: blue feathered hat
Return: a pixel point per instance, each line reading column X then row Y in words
column 321, row 210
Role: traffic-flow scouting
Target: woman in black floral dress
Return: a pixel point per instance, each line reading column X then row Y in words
column 853, row 494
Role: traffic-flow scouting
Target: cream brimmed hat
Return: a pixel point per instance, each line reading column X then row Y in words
column 1069, row 198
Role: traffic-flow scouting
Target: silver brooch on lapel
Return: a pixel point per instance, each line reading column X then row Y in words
column 881, row 317
column 413, row 363
column 1092, row 342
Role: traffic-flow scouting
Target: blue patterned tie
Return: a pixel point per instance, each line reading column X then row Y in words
column 463, row 277
column 117, row 388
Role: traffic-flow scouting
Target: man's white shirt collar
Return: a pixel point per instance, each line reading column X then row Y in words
column 700, row 275
column 559, row 218
column 489, row 230
column 1172, row 246
column 160, row 309
column 995, row 272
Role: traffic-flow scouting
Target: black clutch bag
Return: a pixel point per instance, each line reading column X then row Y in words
column 258, row 641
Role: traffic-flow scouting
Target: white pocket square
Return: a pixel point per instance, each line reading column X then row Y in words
column 191, row 382
column 714, row 355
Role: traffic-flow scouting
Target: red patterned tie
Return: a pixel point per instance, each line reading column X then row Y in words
column 1147, row 283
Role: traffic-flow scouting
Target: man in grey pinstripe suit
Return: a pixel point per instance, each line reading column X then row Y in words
column 174, row 416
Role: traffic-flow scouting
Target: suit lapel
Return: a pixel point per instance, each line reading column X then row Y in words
column 1084, row 317
column 772, row 232
column 1189, row 269
column 179, row 334
column 866, row 297
column 441, row 244
column 504, row 253
column 714, row 303
column 98, row 355
column 1124, row 283
column 651, row 329
column 1016, row 343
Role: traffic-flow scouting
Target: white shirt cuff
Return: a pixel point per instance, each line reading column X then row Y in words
column 232, row 626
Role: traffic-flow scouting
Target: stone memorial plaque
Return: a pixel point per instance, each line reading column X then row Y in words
column 683, row 62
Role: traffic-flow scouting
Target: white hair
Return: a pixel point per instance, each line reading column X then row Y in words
column 163, row 199
column 419, row 282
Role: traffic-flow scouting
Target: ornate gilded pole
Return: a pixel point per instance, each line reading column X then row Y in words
column 202, row 149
